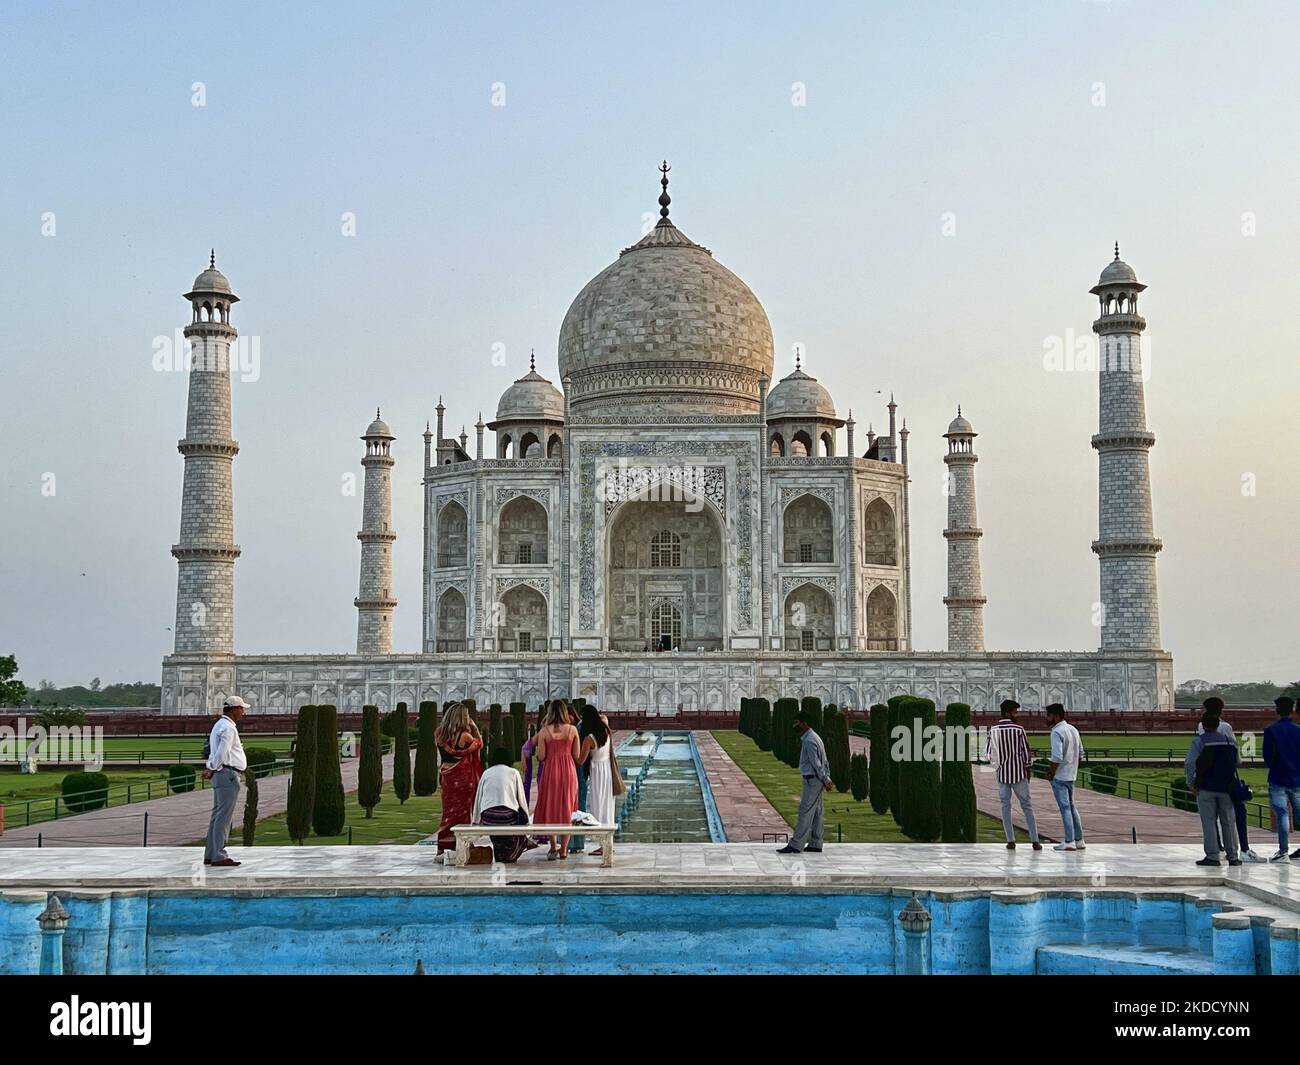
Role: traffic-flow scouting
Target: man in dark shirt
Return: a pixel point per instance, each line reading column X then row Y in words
column 1282, row 756
column 1211, row 772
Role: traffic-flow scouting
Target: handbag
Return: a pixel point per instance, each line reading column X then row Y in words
column 620, row 785
column 1241, row 791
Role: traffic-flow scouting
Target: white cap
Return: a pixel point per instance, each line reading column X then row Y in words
column 235, row 700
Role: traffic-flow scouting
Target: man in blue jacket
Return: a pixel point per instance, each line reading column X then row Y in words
column 1282, row 756
column 1211, row 771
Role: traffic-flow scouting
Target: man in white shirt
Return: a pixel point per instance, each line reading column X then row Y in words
column 500, row 800
column 225, row 763
column 1067, row 749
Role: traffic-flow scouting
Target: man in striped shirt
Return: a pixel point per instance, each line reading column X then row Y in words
column 1008, row 751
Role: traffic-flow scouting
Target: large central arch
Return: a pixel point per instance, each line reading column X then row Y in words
column 661, row 553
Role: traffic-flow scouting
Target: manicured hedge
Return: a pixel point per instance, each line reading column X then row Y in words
column 329, row 814
column 85, row 791
column 1180, row 794
column 880, row 766
column 181, row 778
column 762, row 725
column 785, row 743
column 859, row 777
column 370, row 771
column 959, row 817
column 519, row 716
column 426, row 750
column 261, row 760
column 838, row 754
column 302, row 785
column 812, row 705
column 250, row 808
column 401, row 734
column 919, row 787
column 1105, row 778
column 895, row 703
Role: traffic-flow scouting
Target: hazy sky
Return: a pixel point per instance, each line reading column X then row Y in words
column 926, row 222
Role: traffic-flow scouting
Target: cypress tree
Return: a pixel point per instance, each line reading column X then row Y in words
column 839, row 755
column 329, row 813
column 519, row 716
column 813, row 705
column 784, row 745
column 507, row 742
column 302, row 785
column 472, row 706
column 762, row 724
column 401, row 754
column 920, row 786
column 494, row 727
column 250, row 806
column 880, row 767
column 370, row 771
column 426, row 750
column 859, row 777
column 895, row 703
column 742, row 726
column 958, row 786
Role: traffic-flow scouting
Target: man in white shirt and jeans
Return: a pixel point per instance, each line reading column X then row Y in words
column 1067, row 749
column 226, row 762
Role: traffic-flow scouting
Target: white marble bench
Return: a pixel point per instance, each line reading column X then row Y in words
column 602, row 834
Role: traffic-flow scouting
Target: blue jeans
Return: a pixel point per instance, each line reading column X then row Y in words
column 1283, row 800
column 1063, row 792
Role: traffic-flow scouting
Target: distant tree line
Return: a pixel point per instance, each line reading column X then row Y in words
column 1249, row 693
column 15, row 693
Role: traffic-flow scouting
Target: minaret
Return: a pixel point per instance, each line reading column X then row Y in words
column 965, row 599
column 374, row 601
column 206, row 551
column 1126, row 544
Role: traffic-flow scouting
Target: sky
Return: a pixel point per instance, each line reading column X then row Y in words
column 407, row 197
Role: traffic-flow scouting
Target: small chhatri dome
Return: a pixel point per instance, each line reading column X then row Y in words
column 800, row 396
column 378, row 429
column 1117, row 271
column 960, row 426
column 531, row 398
column 211, row 280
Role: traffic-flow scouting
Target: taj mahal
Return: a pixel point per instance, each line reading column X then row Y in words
column 669, row 528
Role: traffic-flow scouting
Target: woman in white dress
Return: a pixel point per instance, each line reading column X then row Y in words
column 596, row 746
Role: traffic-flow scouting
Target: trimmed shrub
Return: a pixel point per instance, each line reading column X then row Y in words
column 810, row 704
column 784, row 743
column 250, row 806
column 85, row 791
column 181, row 778
column 742, row 726
column 958, row 787
column 494, row 727
column 328, row 813
column 426, row 750
column 401, row 733
column 859, row 777
column 507, row 742
column 1180, row 794
column 302, row 785
column 519, row 716
column 388, row 723
column 1105, row 778
column 860, row 728
column 261, row 760
column 762, row 725
column 472, row 706
column 838, row 753
column 895, row 703
column 920, row 784
column 370, row 773
column 880, row 767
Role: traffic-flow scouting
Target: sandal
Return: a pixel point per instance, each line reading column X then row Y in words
column 552, row 855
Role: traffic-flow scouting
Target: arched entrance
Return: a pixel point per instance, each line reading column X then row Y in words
column 882, row 620
column 809, row 619
column 662, row 553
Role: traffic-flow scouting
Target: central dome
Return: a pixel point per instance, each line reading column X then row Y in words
column 665, row 329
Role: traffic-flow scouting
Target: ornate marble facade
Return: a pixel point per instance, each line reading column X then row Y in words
column 666, row 529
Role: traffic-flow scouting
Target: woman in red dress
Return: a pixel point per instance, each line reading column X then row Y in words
column 459, row 743
column 557, row 795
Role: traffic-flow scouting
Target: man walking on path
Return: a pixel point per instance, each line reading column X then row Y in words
column 226, row 762
column 1008, row 750
column 1067, row 749
column 1211, row 772
column 1282, row 756
column 816, row 772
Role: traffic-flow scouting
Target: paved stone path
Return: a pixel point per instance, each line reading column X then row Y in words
column 746, row 814
column 1106, row 818
column 174, row 820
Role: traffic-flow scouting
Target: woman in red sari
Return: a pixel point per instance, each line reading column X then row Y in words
column 459, row 744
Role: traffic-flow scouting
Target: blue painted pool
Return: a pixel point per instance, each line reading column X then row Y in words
column 564, row 931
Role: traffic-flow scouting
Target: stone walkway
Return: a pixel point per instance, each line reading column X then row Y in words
column 746, row 814
column 1106, row 818
column 174, row 820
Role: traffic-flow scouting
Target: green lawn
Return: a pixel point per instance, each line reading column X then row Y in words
column 783, row 785
column 393, row 822
column 41, row 789
column 159, row 748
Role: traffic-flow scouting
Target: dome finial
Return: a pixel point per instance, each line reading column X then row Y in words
column 798, row 358
column 532, row 360
column 958, row 410
column 212, row 259
column 664, row 198
column 1117, row 251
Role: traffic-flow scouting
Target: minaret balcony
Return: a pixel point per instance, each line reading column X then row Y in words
column 1128, row 440
column 965, row 600
column 206, row 552
column 1127, row 547
column 962, row 534
column 376, row 536
column 1119, row 323
column 374, row 604
column 224, row 448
